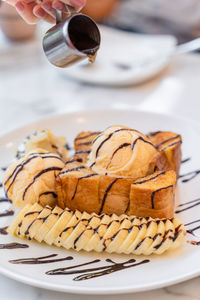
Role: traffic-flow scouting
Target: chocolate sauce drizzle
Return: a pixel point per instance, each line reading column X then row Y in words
column 168, row 140
column 115, row 268
column 87, row 136
column 152, row 178
column 13, row 246
column 101, row 271
column 82, row 152
column 154, row 133
column 119, row 148
column 80, row 178
column 39, row 260
column 6, row 213
column 192, row 230
column 196, row 203
column 195, row 243
column 3, row 230
column 85, row 144
column 37, row 176
column 72, row 170
column 173, row 144
column 62, row 271
column 186, row 160
column 20, row 167
column 106, row 194
column 153, row 194
column 189, row 176
column 4, row 168
column 112, row 133
column 3, row 199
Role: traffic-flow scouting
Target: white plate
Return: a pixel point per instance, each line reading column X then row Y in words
column 149, row 54
column 162, row 270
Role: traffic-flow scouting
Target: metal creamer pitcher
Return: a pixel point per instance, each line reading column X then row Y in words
column 72, row 39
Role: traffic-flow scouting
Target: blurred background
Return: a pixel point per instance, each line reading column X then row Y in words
column 136, row 65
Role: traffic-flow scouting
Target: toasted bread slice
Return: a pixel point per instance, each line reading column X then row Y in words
column 82, row 144
column 169, row 145
column 153, row 196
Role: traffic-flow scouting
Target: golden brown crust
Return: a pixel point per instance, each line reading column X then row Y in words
column 78, row 187
column 82, row 144
column 153, row 196
column 169, row 145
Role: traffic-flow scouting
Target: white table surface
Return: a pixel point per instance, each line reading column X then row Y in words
column 32, row 89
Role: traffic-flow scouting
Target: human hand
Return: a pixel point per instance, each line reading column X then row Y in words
column 33, row 10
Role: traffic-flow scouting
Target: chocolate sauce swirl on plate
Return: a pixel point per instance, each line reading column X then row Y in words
column 96, row 272
column 39, row 260
column 186, row 160
column 193, row 203
column 6, row 213
column 13, row 246
column 189, row 176
column 3, row 230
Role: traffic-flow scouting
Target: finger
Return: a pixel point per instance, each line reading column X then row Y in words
column 56, row 4
column 42, row 14
column 26, row 11
column 11, row 2
column 77, row 4
column 47, row 6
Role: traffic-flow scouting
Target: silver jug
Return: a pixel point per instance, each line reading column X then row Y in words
column 72, row 39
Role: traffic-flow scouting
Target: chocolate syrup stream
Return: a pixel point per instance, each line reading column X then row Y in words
column 190, row 175
column 13, row 246
column 3, row 230
column 61, row 271
column 39, row 260
column 112, row 269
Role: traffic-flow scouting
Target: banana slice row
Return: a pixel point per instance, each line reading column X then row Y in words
column 90, row 232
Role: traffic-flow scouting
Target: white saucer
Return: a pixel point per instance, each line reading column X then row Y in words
column 140, row 56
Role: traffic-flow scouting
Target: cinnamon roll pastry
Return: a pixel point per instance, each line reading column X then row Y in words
column 169, row 146
column 32, row 178
column 90, row 232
